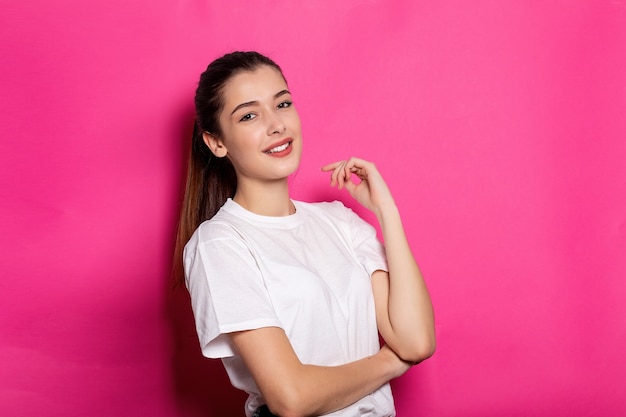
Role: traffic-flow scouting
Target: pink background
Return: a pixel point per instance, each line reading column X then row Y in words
column 500, row 127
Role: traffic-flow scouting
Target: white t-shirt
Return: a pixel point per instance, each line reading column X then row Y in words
column 308, row 273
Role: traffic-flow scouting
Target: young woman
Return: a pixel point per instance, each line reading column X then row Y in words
column 291, row 295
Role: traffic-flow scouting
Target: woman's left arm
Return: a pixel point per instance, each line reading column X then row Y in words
column 404, row 312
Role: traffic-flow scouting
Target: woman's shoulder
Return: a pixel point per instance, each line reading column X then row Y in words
column 220, row 227
column 334, row 211
column 332, row 208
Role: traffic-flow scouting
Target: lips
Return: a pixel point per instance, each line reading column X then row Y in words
column 279, row 148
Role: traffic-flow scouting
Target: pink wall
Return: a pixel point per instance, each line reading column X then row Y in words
column 500, row 126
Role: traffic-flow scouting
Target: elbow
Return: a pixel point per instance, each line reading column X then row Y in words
column 426, row 351
column 418, row 351
column 290, row 402
column 285, row 411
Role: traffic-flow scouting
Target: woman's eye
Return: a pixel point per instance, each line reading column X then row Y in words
column 246, row 117
column 284, row 104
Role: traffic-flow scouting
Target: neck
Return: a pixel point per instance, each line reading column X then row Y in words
column 266, row 199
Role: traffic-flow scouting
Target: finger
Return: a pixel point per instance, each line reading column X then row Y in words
column 331, row 166
column 360, row 172
column 363, row 169
column 334, row 166
column 347, row 172
column 335, row 176
column 341, row 176
column 360, row 164
column 351, row 187
column 358, row 161
column 357, row 167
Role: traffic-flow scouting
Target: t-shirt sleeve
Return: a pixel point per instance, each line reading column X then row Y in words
column 227, row 292
column 368, row 249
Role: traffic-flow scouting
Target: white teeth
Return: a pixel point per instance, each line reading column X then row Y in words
column 279, row 148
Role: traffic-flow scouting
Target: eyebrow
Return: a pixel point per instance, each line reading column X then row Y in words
column 252, row 103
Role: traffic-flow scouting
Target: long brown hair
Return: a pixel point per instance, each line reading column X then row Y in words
column 210, row 180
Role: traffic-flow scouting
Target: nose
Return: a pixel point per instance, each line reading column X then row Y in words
column 275, row 125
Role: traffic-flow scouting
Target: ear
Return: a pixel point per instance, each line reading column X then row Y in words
column 215, row 144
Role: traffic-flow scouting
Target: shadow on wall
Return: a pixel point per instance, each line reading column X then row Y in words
column 201, row 385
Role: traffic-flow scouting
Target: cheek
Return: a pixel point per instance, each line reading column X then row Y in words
column 295, row 122
column 244, row 142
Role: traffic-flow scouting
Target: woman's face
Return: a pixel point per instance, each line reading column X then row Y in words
column 261, row 132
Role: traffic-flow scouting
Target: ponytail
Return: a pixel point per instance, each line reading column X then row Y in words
column 210, row 180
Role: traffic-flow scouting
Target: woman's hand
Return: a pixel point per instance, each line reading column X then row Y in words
column 404, row 312
column 371, row 192
column 400, row 366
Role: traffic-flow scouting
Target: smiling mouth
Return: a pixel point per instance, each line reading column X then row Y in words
column 279, row 148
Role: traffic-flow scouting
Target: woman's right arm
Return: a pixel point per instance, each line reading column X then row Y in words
column 294, row 389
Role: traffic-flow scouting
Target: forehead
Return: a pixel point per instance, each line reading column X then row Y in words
column 262, row 83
